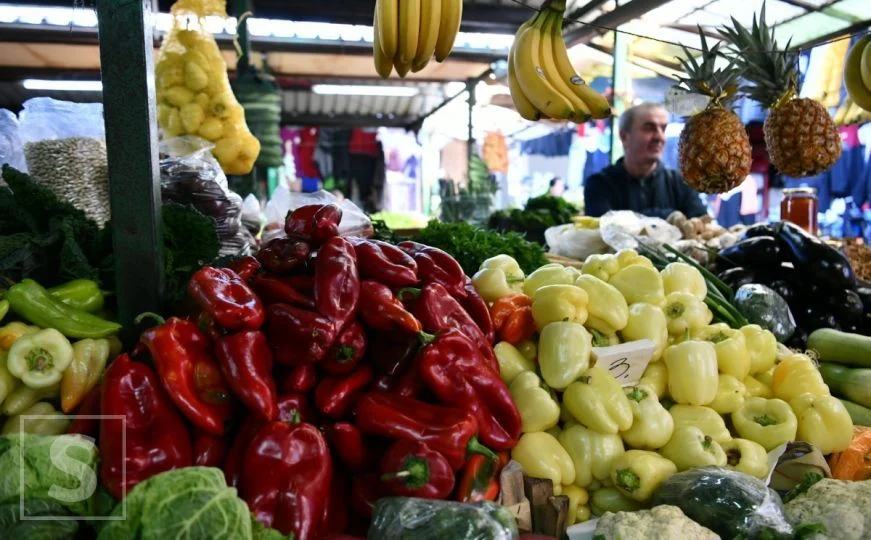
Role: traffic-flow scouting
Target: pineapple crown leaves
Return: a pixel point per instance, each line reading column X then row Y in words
column 720, row 84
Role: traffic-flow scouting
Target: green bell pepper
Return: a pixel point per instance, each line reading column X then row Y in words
column 32, row 302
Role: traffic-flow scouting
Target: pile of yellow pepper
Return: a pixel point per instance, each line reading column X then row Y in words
column 608, row 448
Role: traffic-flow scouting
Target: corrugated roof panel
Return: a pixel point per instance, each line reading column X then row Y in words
column 809, row 27
column 775, row 11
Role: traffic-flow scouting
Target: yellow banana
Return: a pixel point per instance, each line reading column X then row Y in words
column 430, row 17
column 524, row 107
column 449, row 26
column 596, row 102
column 542, row 94
column 865, row 66
column 409, row 32
column 383, row 63
column 552, row 31
column 853, row 74
column 388, row 32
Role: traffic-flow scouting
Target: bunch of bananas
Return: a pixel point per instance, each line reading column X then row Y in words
column 541, row 78
column 409, row 32
column 857, row 73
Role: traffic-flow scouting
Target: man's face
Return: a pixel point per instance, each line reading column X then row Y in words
column 645, row 142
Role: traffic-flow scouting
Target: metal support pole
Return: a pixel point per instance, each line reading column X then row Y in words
column 126, row 49
column 619, row 87
column 470, row 150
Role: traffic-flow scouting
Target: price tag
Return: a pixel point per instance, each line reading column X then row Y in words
column 626, row 361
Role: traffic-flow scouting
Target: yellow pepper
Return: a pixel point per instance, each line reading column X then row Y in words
column 761, row 347
column 638, row 283
column 638, row 473
column 8, row 382
column 731, row 394
column 823, row 421
column 541, row 456
column 692, row 372
column 84, row 372
column 652, row 425
column 601, row 266
column 685, row 313
column 769, row 422
column 689, row 448
column 682, row 277
column 48, row 422
column 704, row 418
column 797, row 375
column 23, row 397
column 731, row 347
column 553, row 303
column 528, row 349
column 610, row 499
column 563, row 353
column 549, row 274
column 597, row 401
column 539, row 410
column 756, row 388
column 40, row 359
column 647, row 321
column 578, row 499
column 14, row 330
column 746, row 456
column 497, row 277
column 608, row 311
column 511, row 362
column 656, row 377
column 630, row 257
column 592, row 453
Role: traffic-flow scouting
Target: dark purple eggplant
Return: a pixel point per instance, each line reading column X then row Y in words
column 735, row 277
column 846, row 305
column 759, row 229
column 757, row 252
column 798, row 339
column 865, row 295
column 813, row 316
column 817, row 261
column 784, row 288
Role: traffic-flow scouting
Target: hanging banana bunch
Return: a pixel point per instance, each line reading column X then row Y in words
column 408, row 33
column 541, row 78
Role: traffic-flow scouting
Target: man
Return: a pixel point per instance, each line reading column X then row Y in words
column 639, row 181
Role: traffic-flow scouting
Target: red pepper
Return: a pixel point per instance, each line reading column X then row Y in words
column 227, row 299
column 301, row 378
column 209, row 449
column 449, row 431
column 512, row 318
column 408, row 384
column 284, row 255
column 294, row 405
column 246, row 267
column 152, row 438
column 391, row 353
column 439, row 312
column 287, row 478
column 347, row 352
column 302, row 283
column 275, row 290
column 86, row 420
column 365, row 493
column 385, row 263
column 235, row 458
column 297, row 335
column 479, row 479
column 246, row 361
column 335, row 395
column 381, row 310
column 192, row 377
column 453, row 370
column 437, row 266
column 337, row 282
column 325, row 223
column 413, row 469
column 299, row 221
column 338, row 507
column 478, row 310
column 348, row 445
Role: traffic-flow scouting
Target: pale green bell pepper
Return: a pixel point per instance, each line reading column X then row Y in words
column 563, row 353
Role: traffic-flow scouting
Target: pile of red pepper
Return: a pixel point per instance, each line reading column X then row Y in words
column 321, row 375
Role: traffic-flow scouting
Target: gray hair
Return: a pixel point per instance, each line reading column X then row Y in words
column 628, row 116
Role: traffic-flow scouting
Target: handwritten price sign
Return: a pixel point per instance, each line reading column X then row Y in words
column 626, row 361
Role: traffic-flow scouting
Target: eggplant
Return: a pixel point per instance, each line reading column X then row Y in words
column 865, row 295
column 735, row 277
column 813, row 316
column 759, row 229
column 817, row 261
column 756, row 252
column 846, row 305
column 784, row 288
column 798, row 340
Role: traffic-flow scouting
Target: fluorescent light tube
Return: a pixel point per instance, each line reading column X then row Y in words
column 364, row 90
column 69, row 86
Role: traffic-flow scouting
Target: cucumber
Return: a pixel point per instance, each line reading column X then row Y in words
column 860, row 415
column 842, row 347
column 853, row 384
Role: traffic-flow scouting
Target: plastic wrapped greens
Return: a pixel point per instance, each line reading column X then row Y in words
column 401, row 518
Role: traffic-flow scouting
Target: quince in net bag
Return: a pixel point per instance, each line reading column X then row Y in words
column 193, row 92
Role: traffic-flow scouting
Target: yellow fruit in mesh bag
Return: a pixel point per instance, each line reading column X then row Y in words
column 211, row 129
column 173, row 124
column 191, row 117
column 195, row 77
column 170, row 77
column 177, row 96
column 193, row 56
column 249, row 149
column 202, row 99
column 163, row 112
column 222, row 105
column 189, row 38
column 226, row 150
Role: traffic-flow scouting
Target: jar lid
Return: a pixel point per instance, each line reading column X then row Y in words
column 800, row 190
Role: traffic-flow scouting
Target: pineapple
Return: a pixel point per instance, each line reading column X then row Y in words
column 802, row 139
column 714, row 149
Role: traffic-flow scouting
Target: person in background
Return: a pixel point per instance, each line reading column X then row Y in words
column 640, row 181
column 557, row 187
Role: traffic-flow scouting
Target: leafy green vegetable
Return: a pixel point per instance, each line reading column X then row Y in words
column 809, row 530
column 810, row 479
column 539, row 214
column 471, row 246
column 190, row 241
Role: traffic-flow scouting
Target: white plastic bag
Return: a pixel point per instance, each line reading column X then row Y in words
column 569, row 241
column 11, row 151
column 354, row 222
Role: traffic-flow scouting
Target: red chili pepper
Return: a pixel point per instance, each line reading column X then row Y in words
column 449, row 431
column 301, row 378
column 413, row 469
column 408, row 384
column 192, row 377
column 437, row 266
column 209, row 449
column 235, row 458
column 478, row 480
column 227, row 299
column 478, row 310
column 275, row 290
column 299, row 221
column 391, row 353
column 335, row 396
column 337, row 282
column 365, row 493
column 302, row 283
column 385, row 263
column 294, row 405
column 246, row 267
column 287, row 477
column 348, row 445
column 246, row 361
column 325, row 223
column 284, row 255
column 86, row 420
column 297, row 335
column 347, row 352
column 454, row 371
column 152, row 438
column 337, row 508
column 381, row 310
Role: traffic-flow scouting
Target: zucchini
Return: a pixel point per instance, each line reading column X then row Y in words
column 842, row 347
column 853, row 384
column 860, row 415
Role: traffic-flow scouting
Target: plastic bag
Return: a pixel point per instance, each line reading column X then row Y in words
column 354, row 222
column 410, row 518
column 65, row 148
column 624, row 229
column 189, row 174
column 11, row 151
column 570, row 241
column 728, row 502
column 193, row 91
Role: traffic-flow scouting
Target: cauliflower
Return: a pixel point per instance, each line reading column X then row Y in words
column 841, row 507
column 660, row 523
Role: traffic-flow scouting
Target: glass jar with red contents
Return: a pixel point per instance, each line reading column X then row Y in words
column 800, row 206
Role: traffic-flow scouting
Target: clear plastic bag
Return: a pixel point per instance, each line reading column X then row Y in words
column 354, row 222
column 11, row 151
column 401, row 518
column 570, row 241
